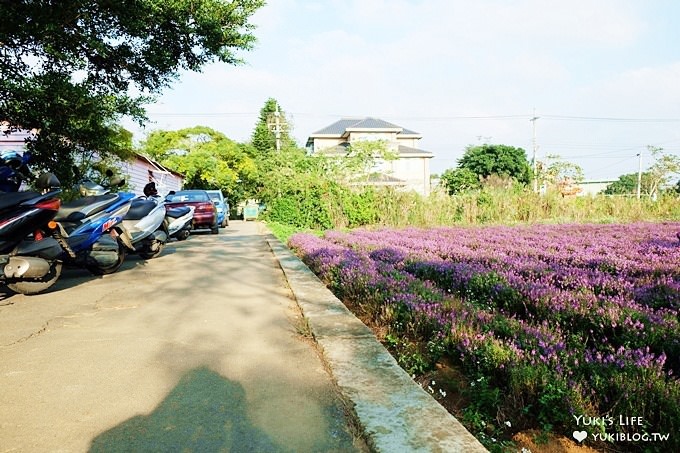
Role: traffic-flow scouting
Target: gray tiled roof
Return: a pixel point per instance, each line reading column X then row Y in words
column 382, row 177
column 337, row 128
column 406, row 150
column 374, row 123
column 341, row 126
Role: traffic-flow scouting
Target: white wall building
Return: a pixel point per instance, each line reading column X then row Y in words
column 409, row 171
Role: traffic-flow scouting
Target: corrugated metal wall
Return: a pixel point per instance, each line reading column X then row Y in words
column 140, row 172
column 13, row 141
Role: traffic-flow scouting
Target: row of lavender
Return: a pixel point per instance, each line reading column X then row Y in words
column 567, row 319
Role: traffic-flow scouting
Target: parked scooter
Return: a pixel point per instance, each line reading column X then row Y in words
column 89, row 229
column 178, row 221
column 29, row 259
column 145, row 223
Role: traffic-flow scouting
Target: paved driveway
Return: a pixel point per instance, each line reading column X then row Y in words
column 196, row 350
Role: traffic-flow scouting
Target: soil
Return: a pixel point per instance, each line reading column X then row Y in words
column 445, row 383
column 534, row 441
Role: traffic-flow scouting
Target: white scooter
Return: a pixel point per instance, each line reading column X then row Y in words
column 178, row 222
column 145, row 223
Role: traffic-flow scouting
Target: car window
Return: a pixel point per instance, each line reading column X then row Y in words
column 215, row 196
column 187, row 196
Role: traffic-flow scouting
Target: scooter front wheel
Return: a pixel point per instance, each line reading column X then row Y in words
column 35, row 287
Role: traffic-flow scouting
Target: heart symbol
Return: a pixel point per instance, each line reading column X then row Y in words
column 580, row 435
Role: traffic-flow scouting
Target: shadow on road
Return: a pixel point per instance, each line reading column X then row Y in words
column 204, row 412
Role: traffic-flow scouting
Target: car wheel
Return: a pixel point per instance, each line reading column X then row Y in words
column 215, row 229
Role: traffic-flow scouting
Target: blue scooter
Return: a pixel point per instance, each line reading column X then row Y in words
column 89, row 229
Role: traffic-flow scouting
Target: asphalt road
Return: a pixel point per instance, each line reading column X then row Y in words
column 198, row 349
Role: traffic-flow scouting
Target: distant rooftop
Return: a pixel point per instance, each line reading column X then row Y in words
column 342, row 127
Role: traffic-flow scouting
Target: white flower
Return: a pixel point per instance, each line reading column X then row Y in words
column 508, row 424
column 430, row 389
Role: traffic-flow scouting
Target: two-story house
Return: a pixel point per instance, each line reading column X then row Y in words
column 409, row 170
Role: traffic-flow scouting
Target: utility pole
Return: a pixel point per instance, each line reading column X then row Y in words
column 639, row 179
column 277, row 130
column 275, row 125
column 533, row 120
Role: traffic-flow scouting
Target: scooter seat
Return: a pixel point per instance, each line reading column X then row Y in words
column 178, row 212
column 139, row 209
column 77, row 210
column 10, row 199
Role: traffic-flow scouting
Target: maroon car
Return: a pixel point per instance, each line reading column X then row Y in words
column 205, row 213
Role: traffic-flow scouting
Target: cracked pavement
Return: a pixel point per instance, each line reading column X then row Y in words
column 197, row 349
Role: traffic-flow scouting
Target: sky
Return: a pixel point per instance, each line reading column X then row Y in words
column 601, row 77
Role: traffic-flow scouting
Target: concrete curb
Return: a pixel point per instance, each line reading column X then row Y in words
column 394, row 412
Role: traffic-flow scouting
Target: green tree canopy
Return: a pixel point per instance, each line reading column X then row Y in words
column 459, row 180
column 69, row 67
column 485, row 160
column 652, row 181
column 665, row 165
column 207, row 159
column 627, row 184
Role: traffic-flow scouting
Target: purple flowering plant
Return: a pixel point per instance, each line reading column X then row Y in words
column 567, row 319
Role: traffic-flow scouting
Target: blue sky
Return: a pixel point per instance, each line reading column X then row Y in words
column 602, row 76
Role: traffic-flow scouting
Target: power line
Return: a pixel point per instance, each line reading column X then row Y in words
column 616, row 119
column 435, row 118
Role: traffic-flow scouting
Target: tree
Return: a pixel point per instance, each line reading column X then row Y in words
column 297, row 189
column 661, row 170
column 459, row 180
column 653, row 180
column 264, row 135
column 68, row 68
column 207, row 159
column 561, row 174
column 362, row 159
column 627, row 185
column 502, row 160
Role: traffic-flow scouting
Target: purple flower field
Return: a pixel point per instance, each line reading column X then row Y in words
column 563, row 319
